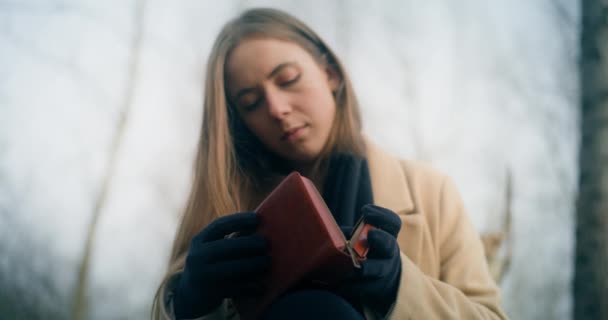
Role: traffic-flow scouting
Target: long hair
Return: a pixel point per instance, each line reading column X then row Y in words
column 231, row 165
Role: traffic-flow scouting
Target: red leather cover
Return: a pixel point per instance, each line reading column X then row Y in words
column 305, row 242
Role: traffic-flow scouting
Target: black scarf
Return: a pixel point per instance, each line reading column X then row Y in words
column 347, row 187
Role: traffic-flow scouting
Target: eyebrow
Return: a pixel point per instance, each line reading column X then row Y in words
column 274, row 71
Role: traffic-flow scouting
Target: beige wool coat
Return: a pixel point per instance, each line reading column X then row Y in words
column 444, row 273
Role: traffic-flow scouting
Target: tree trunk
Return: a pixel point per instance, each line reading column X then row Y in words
column 591, row 262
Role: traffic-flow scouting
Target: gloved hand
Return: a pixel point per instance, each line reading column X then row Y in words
column 377, row 281
column 218, row 267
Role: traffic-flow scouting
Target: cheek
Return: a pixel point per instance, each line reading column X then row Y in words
column 258, row 125
column 326, row 110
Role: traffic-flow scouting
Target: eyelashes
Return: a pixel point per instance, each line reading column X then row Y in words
column 285, row 84
column 291, row 82
column 252, row 106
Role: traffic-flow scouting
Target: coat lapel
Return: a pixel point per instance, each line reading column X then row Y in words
column 393, row 190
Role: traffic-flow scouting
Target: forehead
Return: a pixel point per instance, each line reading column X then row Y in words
column 253, row 59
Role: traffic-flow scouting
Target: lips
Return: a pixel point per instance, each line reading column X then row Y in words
column 292, row 132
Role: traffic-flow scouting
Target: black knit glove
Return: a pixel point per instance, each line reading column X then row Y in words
column 376, row 283
column 218, row 267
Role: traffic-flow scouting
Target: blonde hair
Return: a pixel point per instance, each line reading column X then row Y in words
column 230, row 163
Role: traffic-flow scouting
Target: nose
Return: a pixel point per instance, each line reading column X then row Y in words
column 278, row 105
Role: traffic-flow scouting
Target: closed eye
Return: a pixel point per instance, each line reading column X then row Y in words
column 252, row 106
column 290, row 82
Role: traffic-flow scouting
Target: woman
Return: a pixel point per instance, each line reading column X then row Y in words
column 277, row 100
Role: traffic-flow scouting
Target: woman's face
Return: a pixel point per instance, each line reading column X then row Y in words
column 283, row 96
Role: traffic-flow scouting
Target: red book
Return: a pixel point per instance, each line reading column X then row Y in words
column 307, row 246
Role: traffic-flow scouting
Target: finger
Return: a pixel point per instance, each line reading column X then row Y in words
column 382, row 218
column 236, row 222
column 250, row 289
column 375, row 269
column 237, row 270
column 381, row 244
column 228, row 249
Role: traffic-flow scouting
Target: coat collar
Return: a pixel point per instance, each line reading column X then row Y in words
column 389, row 182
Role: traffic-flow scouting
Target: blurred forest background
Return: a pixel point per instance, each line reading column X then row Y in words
column 100, row 108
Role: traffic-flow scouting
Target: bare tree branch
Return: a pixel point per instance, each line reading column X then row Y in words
column 80, row 303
